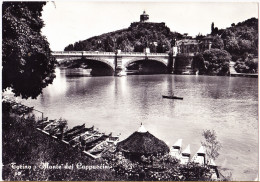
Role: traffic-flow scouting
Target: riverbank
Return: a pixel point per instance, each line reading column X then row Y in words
column 77, row 69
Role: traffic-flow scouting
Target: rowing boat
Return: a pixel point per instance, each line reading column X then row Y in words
column 172, row 97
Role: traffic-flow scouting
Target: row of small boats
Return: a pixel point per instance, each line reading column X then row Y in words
column 88, row 139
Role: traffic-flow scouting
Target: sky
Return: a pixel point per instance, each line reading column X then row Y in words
column 70, row 21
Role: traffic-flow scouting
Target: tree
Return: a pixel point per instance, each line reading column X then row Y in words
column 246, row 64
column 198, row 63
column 138, row 47
column 217, row 43
column 211, row 143
column 109, row 44
column 181, row 61
column 245, row 45
column 78, row 46
column 212, row 27
column 69, row 48
column 28, row 65
column 214, row 30
column 218, row 61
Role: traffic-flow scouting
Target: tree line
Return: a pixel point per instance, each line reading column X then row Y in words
column 238, row 43
column 156, row 36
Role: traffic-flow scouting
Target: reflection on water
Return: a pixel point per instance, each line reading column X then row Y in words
column 228, row 105
column 58, row 87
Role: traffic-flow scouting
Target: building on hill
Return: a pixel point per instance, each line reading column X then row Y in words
column 142, row 143
column 186, row 49
column 205, row 43
column 144, row 22
column 144, row 17
column 190, row 46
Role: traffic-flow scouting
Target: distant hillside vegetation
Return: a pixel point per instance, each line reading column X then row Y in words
column 240, row 38
column 133, row 39
column 238, row 43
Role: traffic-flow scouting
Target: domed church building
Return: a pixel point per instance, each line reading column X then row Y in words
column 144, row 17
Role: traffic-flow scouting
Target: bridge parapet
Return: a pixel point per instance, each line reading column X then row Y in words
column 80, row 53
column 142, row 54
column 66, row 53
column 158, row 54
column 86, row 53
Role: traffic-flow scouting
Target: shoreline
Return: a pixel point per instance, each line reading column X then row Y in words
column 247, row 75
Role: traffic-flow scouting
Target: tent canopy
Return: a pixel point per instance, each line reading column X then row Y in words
column 143, row 143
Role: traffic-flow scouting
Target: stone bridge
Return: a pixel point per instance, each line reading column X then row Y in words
column 117, row 61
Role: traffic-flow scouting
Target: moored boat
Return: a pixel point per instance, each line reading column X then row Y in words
column 172, row 97
column 74, row 129
column 42, row 125
column 93, row 143
column 74, row 134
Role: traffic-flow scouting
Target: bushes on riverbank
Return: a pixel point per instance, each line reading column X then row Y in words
column 212, row 62
column 246, row 64
column 157, row 168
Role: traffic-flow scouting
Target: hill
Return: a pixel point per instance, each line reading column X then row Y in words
column 240, row 38
column 238, row 43
column 157, row 36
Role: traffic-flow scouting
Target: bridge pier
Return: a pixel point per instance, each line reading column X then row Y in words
column 170, row 65
column 118, row 65
column 115, row 63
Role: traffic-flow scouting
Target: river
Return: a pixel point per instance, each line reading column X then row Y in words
column 229, row 105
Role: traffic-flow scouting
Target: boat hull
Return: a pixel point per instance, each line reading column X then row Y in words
column 172, row 97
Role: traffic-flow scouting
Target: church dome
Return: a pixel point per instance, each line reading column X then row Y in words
column 144, row 17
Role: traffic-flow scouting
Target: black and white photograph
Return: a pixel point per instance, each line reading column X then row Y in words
column 129, row 91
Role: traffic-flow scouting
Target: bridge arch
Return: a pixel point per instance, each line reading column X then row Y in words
column 110, row 63
column 127, row 63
